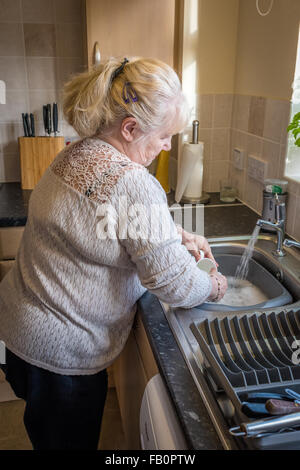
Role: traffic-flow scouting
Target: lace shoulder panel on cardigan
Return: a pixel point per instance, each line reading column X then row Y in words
column 92, row 167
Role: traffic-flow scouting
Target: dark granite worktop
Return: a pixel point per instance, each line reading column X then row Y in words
column 13, row 204
column 219, row 220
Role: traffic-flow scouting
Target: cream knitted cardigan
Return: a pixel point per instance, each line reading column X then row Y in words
column 68, row 303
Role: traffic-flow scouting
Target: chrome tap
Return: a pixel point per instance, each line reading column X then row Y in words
column 287, row 242
column 279, row 226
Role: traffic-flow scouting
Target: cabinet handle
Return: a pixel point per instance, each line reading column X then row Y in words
column 97, row 54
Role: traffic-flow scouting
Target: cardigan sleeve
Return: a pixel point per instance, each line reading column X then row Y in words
column 147, row 232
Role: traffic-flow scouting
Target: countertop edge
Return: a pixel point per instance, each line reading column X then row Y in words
column 195, row 421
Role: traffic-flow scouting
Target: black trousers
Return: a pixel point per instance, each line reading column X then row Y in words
column 63, row 412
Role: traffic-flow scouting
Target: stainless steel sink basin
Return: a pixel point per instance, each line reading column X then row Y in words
column 229, row 257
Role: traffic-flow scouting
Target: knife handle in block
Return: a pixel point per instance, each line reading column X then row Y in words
column 55, row 118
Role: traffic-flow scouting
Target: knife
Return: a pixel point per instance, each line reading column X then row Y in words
column 45, row 112
column 55, row 119
column 27, row 125
column 49, row 119
column 263, row 397
column 281, row 407
column 32, row 125
column 24, row 126
column 255, row 410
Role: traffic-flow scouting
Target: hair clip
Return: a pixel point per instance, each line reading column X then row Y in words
column 129, row 93
column 118, row 70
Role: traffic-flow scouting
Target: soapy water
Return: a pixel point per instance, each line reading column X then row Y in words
column 242, row 293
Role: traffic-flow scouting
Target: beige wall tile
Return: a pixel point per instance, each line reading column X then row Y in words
column 13, row 72
column 270, row 153
column 238, row 140
column 286, row 118
column 37, row 98
column 69, row 40
column 241, row 109
column 67, row 130
column 68, row 11
column 296, row 227
column 10, row 168
column 39, row 62
column 237, row 178
column 68, row 66
column 11, row 39
column 222, row 111
column 204, row 110
column 220, row 144
column 219, row 170
column 253, row 191
column 206, row 177
column 39, row 40
column 16, row 104
column 260, row 199
column 257, row 115
column 10, row 10
column 293, row 187
column 291, row 213
column 275, row 113
column 254, row 145
column 42, row 73
column 205, row 136
column 9, row 134
column 37, row 11
column 282, row 160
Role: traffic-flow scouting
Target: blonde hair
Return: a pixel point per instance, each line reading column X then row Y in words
column 94, row 102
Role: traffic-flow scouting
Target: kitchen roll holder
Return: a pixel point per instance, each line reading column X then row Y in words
column 189, row 183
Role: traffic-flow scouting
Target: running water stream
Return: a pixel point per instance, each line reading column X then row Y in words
column 243, row 268
column 240, row 290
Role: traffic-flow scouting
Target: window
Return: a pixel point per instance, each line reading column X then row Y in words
column 292, row 164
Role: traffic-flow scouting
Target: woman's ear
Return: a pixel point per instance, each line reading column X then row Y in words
column 129, row 128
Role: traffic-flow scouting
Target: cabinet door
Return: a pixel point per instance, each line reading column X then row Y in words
column 131, row 28
column 130, row 380
column 10, row 238
column 5, row 266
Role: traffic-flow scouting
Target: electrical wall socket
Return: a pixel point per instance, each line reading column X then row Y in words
column 238, row 158
column 257, row 168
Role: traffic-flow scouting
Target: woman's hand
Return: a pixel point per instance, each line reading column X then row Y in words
column 194, row 243
column 219, row 287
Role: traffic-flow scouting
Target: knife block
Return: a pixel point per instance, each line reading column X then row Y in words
column 36, row 154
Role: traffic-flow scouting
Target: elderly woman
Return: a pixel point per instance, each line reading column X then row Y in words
column 86, row 256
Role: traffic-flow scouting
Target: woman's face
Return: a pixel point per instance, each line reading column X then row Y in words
column 145, row 151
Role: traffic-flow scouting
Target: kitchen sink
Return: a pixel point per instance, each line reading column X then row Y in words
column 259, row 277
column 282, row 278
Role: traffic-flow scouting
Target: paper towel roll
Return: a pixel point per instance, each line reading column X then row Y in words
column 189, row 181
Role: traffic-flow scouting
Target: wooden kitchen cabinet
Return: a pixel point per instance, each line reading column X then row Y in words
column 133, row 369
column 10, row 238
column 145, row 28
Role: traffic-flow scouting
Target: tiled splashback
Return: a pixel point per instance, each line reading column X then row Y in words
column 214, row 113
column 41, row 45
column 257, row 126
